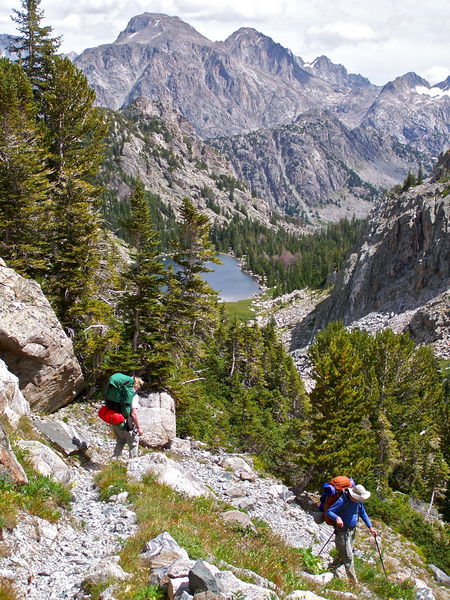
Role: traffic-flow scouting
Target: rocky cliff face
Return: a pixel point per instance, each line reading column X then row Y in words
column 401, row 265
column 153, row 141
column 322, row 139
column 163, row 58
column 417, row 113
column 34, row 347
column 222, row 88
column 318, row 168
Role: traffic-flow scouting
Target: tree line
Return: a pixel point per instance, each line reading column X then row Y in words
column 286, row 261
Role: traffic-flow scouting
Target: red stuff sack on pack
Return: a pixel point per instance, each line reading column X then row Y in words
column 110, row 416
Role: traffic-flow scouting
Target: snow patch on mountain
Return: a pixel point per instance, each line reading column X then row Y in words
column 434, row 92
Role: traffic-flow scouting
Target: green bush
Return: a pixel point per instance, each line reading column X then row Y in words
column 431, row 538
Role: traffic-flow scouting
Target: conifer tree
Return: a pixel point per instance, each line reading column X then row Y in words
column 141, row 303
column 35, row 46
column 23, row 176
column 75, row 131
column 420, row 175
column 378, row 411
column 191, row 303
column 341, row 440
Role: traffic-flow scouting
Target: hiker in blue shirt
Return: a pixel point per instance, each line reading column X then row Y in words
column 345, row 512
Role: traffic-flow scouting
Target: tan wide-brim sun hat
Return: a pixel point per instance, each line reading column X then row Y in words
column 359, row 493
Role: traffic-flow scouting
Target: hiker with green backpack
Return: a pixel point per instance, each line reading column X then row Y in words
column 120, row 411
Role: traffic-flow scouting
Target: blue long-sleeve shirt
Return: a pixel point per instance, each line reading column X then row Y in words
column 349, row 512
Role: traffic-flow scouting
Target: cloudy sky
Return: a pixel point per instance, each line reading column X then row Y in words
column 380, row 39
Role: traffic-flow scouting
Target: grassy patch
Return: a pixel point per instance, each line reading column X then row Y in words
column 431, row 539
column 197, row 526
column 41, row 496
column 375, row 580
column 240, row 309
column 7, row 591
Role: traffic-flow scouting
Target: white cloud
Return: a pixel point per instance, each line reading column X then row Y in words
column 435, row 74
column 434, row 92
column 341, row 32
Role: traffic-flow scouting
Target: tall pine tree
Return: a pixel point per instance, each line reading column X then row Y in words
column 23, row 175
column 191, row 303
column 35, row 45
column 142, row 303
column 341, row 438
column 75, row 132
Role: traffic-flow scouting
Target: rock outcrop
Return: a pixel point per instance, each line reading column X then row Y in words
column 152, row 140
column 319, row 168
column 46, row 461
column 168, row 472
column 12, row 403
column 401, row 267
column 10, row 468
column 157, row 419
column 34, row 346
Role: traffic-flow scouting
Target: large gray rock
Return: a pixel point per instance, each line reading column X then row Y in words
column 235, row 463
column 10, row 468
column 205, row 577
column 423, row 591
column 12, row 403
column 168, row 472
column 238, row 518
column 440, row 575
column 180, row 446
column 231, row 586
column 34, row 346
column 157, row 419
column 303, row 595
column 104, row 571
column 177, row 587
column 321, row 579
column 202, row 578
column 162, row 551
column 46, row 461
column 66, row 437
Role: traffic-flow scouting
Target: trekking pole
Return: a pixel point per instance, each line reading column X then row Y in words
column 326, row 544
column 381, row 558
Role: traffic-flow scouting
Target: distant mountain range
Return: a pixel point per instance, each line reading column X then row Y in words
column 249, row 82
column 309, row 138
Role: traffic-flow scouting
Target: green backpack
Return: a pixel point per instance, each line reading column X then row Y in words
column 119, row 393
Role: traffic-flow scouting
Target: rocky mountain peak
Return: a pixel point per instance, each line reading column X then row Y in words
column 254, row 48
column 407, row 82
column 335, row 74
column 444, row 85
column 154, row 28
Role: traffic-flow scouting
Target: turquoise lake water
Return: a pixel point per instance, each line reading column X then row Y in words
column 229, row 280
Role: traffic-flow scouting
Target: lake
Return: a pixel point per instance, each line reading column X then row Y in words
column 229, row 280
